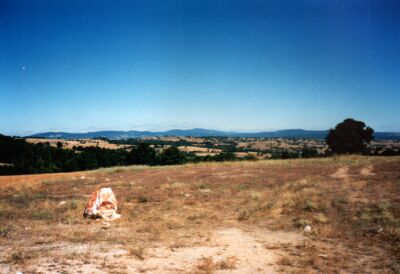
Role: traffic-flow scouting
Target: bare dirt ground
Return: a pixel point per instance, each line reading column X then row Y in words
column 240, row 217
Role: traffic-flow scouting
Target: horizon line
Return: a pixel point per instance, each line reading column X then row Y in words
column 171, row 129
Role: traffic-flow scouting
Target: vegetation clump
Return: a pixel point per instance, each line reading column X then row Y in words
column 21, row 157
column 349, row 136
column 42, row 215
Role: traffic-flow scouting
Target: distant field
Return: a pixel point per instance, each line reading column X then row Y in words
column 200, row 151
column 260, row 148
column 232, row 217
column 75, row 143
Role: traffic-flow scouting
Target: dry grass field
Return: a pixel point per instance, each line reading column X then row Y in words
column 239, row 217
column 200, row 151
column 76, row 143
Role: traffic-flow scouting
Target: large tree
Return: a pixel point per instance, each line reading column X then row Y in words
column 143, row 154
column 349, row 136
column 173, row 156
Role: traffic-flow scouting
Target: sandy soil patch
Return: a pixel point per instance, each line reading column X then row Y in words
column 367, row 171
column 341, row 173
column 229, row 250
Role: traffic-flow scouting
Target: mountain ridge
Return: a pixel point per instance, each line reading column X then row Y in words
column 201, row 132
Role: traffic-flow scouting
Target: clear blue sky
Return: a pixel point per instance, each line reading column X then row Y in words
column 230, row 65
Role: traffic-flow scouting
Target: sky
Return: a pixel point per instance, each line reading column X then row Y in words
column 78, row 66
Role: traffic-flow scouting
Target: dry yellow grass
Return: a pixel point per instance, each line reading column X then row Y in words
column 71, row 143
column 200, row 151
column 240, row 217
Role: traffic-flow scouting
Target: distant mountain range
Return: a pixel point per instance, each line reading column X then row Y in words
column 200, row 132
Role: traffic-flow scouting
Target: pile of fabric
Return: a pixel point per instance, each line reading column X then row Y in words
column 102, row 204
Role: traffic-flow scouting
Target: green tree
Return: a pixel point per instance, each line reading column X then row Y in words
column 349, row 136
column 143, row 154
column 173, row 156
column 225, row 156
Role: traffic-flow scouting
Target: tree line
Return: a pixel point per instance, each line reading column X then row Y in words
column 20, row 157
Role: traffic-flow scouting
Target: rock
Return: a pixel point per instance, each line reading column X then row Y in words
column 83, row 177
column 307, row 228
column 102, row 204
column 205, row 190
column 62, row 203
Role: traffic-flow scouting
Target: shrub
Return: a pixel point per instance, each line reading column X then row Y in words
column 143, row 199
column 4, row 230
column 42, row 215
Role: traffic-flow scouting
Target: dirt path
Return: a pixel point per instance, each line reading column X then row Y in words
column 341, row 173
column 367, row 171
column 256, row 251
column 229, row 250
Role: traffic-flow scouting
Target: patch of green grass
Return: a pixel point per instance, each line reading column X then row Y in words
column 320, row 218
column 382, row 214
column 4, row 230
column 42, row 215
column 73, row 204
column 379, row 214
column 311, row 206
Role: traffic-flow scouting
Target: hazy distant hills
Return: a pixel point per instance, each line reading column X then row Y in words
column 200, row 132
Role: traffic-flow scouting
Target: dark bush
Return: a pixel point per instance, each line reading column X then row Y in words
column 172, row 156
